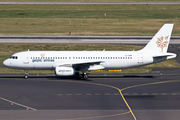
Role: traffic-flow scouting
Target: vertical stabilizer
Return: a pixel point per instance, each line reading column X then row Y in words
column 159, row 43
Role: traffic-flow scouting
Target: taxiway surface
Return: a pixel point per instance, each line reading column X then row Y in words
column 83, row 39
column 112, row 97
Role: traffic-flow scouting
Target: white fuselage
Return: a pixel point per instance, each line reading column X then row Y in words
column 48, row 60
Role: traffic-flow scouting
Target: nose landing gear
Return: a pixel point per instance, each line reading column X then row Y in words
column 84, row 76
column 26, row 74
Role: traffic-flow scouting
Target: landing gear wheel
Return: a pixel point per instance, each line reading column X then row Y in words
column 84, row 76
column 26, row 76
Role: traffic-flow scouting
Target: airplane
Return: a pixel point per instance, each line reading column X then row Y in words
column 68, row 63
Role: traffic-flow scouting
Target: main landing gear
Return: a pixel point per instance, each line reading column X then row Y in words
column 26, row 74
column 84, row 76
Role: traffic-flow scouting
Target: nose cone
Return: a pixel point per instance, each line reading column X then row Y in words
column 5, row 63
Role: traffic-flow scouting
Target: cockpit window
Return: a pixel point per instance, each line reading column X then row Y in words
column 13, row 57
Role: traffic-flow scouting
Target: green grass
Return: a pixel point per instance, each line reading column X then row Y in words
column 90, row 11
column 87, row 19
column 124, row 71
column 7, row 49
column 14, row 71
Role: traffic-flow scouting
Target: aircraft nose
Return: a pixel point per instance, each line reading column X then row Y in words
column 5, row 63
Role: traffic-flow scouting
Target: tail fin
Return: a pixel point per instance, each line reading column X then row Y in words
column 159, row 43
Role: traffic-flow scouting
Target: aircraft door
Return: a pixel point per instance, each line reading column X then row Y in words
column 140, row 58
column 26, row 58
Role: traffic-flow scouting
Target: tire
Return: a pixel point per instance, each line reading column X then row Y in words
column 26, row 77
column 85, row 77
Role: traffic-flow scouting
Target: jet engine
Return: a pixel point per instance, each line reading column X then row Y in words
column 64, row 71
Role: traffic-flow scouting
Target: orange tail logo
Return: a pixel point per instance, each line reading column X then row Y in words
column 162, row 42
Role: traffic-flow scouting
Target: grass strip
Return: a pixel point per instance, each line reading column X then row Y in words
column 87, row 19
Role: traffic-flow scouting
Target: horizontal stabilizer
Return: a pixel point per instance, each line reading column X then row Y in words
column 168, row 55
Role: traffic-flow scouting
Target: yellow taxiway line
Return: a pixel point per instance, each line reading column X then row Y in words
column 130, row 110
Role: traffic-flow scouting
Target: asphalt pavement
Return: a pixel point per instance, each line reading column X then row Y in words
column 49, row 97
column 83, row 39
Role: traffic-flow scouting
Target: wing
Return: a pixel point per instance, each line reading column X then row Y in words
column 86, row 65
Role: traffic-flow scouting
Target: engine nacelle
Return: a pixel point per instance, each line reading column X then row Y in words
column 64, row 71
